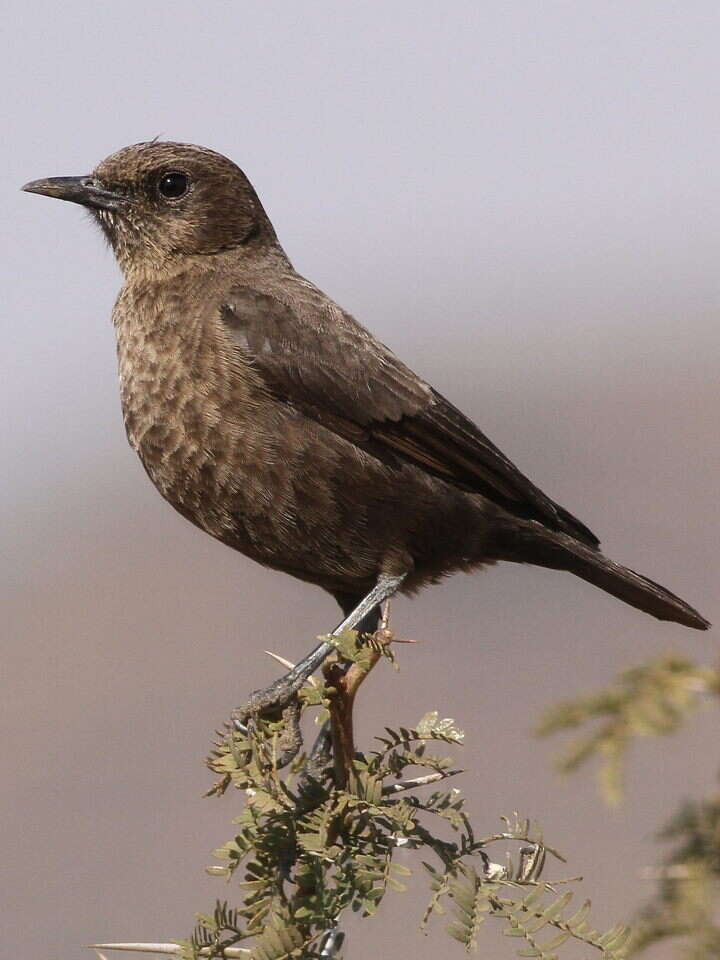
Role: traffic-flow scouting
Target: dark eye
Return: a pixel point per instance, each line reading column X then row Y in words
column 173, row 185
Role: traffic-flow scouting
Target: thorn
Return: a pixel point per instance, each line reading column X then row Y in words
column 402, row 785
column 281, row 660
column 288, row 665
column 173, row 949
column 386, row 636
column 170, row 948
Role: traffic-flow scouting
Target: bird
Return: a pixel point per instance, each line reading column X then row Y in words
column 273, row 420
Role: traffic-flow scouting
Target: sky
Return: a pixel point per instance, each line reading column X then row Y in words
column 520, row 199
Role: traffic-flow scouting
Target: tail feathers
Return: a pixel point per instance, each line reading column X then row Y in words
column 530, row 542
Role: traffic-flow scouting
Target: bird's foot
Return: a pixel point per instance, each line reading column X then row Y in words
column 316, row 766
column 289, row 740
column 282, row 695
column 274, row 699
column 280, row 700
column 281, row 692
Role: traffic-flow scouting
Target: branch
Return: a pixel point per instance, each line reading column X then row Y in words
column 344, row 685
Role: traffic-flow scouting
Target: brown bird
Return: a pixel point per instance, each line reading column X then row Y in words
column 269, row 417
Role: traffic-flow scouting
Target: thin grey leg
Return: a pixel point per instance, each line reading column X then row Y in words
column 284, row 689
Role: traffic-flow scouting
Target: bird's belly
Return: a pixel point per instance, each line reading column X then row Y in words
column 264, row 487
column 196, row 466
column 292, row 495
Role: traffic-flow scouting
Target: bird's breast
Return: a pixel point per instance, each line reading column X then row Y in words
column 187, row 407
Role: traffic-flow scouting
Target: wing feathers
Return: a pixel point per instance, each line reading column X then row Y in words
column 318, row 358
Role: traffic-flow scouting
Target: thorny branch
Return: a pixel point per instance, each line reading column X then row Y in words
column 324, row 836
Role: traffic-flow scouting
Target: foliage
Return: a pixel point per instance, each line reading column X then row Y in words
column 656, row 699
column 688, row 894
column 515, row 893
column 305, row 849
column 650, row 700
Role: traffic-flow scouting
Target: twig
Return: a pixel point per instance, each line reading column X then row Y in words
column 344, row 686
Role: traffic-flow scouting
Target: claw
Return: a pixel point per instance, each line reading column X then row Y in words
column 289, row 742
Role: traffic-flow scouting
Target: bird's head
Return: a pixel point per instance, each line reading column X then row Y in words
column 157, row 202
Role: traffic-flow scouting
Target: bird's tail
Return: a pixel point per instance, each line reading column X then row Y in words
column 531, row 542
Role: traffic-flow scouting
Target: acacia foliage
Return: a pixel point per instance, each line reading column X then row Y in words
column 656, row 699
column 305, row 851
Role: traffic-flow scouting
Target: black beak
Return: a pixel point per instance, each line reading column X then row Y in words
column 84, row 190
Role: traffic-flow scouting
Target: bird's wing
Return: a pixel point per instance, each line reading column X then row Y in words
column 316, row 357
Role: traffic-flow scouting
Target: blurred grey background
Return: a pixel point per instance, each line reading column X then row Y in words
column 521, row 200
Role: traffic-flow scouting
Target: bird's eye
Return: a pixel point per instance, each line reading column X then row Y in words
column 173, row 185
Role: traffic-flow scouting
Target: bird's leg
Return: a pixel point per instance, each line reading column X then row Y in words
column 283, row 690
column 383, row 631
